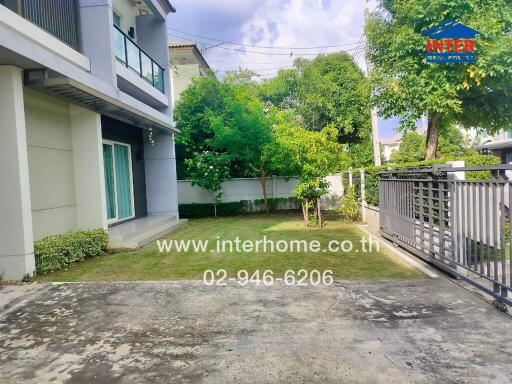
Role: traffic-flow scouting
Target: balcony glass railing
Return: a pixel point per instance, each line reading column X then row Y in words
column 132, row 56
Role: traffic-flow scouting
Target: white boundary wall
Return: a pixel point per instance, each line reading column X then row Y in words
column 250, row 189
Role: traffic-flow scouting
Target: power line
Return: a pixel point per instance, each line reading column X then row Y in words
column 359, row 49
column 259, row 46
column 258, row 69
column 290, row 54
column 251, row 63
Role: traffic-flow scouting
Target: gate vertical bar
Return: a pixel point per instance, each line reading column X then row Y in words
column 440, row 204
column 487, row 203
column 463, row 215
column 431, row 217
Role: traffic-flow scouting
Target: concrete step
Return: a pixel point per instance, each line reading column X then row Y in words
column 154, row 234
column 138, row 226
column 135, row 235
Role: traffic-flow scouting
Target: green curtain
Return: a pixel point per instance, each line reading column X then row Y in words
column 123, row 184
column 108, row 166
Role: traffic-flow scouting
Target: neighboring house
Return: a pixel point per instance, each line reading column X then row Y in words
column 499, row 144
column 187, row 62
column 86, row 133
column 388, row 146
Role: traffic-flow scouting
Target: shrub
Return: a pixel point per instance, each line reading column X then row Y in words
column 196, row 210
column 372, row 172
column 59, row 251
column 350, row 205
column 243, row 207
column 275, row 204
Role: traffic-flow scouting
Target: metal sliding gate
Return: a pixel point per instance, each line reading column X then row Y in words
column 458, row 224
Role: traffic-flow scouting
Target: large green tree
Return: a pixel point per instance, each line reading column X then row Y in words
column 406, row 85
column 333, row 92
column 243, row 132
column 198, row 102
column 327, row 91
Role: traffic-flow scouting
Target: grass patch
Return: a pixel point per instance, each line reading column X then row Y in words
column 148, row 263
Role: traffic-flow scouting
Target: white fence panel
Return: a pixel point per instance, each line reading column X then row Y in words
column 250, row 189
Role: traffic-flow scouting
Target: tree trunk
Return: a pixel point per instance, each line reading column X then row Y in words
column 305, row 213
column 263, row 182
column 433, row 132
column 214, row 204
column 319, row 212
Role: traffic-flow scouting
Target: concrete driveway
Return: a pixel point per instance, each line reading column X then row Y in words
column 420, row 331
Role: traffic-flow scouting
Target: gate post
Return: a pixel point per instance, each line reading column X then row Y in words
column 457, row 216
column 363, row 197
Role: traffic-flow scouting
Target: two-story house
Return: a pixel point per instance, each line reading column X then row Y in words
column 187, row 62
column 499, row 144
column 86, row 132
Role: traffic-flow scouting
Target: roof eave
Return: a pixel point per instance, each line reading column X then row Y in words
column 167, row 6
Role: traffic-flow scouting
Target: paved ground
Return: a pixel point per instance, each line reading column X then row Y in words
column 421, row 331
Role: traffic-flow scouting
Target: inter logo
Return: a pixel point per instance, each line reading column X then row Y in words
column 450, row 42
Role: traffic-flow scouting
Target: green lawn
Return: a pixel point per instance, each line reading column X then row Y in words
column 148, row 263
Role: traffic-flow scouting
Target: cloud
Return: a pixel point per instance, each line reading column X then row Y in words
column 281, row 23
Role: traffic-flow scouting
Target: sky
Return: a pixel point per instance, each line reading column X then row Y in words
column 271, row 33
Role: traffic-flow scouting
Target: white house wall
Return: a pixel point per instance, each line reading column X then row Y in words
column 50, row 160
column 128, row 14
column 160, row 169
column 182, row 76
column 16, row 241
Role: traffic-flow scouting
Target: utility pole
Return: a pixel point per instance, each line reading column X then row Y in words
column 373, row 113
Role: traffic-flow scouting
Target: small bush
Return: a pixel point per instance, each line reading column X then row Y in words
column 59, row 251
column 243, row 207
column 275, row 204
column 350, row 205
column 197, row 210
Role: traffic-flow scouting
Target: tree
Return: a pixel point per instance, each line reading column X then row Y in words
column 405, row 85
column 412, row 148
column 197, row 103
column 328, row 91
column 333, row 92
column 361, row 154
column 281, row 90
column 243, row 132
column 451, row 143
column 311, row 156
column 208, row 170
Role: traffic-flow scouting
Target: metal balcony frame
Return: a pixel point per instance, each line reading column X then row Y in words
column 140, row 72
column 55, row 25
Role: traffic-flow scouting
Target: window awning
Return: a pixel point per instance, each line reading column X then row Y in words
column 496, row 145
column 84, row 96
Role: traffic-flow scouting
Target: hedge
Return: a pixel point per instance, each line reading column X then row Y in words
column 372, row 176
column 243, row 207
column 59, row 251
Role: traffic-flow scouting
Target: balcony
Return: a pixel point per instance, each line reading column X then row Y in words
column 128, row 53
column 57, row 17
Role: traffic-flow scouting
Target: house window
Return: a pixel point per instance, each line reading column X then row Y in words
column 117, row 164
column 117, row 19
